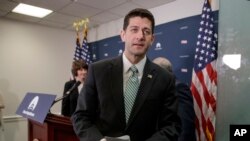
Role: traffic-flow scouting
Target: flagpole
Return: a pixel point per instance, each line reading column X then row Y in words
column 210, row 3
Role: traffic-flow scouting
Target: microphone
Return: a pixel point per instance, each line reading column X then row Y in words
column 73, row 87
column 67, row 93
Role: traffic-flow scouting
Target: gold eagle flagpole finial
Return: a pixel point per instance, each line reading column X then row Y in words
column 85, row 29
column 76, row 25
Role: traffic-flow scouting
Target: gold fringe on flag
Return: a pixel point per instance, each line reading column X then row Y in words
column 209, row 135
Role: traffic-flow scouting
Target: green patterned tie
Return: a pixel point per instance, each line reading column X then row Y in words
column 131, row 91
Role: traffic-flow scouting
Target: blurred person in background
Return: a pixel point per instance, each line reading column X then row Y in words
column 79, row 71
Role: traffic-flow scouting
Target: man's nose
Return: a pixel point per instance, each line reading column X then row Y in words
column 140, row 35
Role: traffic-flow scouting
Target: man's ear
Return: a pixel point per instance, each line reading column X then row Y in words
column 122, row 35
column 152, row 40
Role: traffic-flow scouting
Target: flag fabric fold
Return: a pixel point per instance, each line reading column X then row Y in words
column 86, row 52
column 78, row 49
column 204, row 76
column 83, row 52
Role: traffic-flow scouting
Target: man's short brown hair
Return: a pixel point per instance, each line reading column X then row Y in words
column 139, row 12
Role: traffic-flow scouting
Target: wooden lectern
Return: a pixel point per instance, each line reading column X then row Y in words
column 54, row 128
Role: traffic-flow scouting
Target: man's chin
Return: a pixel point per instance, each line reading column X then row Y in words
column 139, row 54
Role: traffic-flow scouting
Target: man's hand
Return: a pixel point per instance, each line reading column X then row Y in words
column 103, row 139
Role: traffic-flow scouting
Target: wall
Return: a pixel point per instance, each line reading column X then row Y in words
column 166, row 13
column 33, row 59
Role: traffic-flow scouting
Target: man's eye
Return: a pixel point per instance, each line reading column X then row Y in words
column 134, row 30
column 147, row 32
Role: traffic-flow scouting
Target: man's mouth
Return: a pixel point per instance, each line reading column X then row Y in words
column 138, row 44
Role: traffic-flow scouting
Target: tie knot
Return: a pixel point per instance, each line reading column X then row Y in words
column 133, row 69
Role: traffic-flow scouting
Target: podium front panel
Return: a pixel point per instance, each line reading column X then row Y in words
column 55, row 128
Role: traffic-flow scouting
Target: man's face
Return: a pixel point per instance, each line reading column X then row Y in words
column 138, row 36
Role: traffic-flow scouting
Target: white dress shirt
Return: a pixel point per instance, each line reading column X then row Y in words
column 126, row 73
column 80, row 88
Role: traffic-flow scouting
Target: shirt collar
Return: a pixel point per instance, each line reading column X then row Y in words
column 127, row 64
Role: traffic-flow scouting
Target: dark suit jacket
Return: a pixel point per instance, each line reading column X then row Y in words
column 69, row 103
column 186, row 112
column 100, row 109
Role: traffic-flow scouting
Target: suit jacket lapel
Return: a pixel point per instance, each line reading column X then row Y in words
column 148, row 78
column 117, row 87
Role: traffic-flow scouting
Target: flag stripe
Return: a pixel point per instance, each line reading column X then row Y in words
column 198, row 132
column 211, row 72
column 203, row 124
column 204, row 88
column 210, row 85
column 198, row 88
column 197, row 105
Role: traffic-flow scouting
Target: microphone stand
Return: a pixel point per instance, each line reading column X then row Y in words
column 66, row 94
column 58, row 99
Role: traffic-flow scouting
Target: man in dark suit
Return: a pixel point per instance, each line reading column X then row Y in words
column 186, row 106
column 103, row 105
column 79, row 71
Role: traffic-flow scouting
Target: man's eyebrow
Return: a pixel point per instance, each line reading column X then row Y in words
column 133, row 26
column 147, row 28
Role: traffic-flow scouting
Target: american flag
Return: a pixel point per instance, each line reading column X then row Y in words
column 78, row 49
column 86, row 55
column 83, row 52
column 204, row 76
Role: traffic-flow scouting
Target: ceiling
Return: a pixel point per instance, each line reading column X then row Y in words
column 66, row 12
